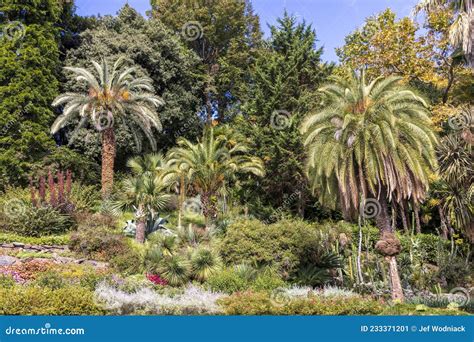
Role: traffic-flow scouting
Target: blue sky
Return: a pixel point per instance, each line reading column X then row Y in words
column 332, row 19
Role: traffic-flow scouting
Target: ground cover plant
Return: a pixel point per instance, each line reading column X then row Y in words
column 146, row 172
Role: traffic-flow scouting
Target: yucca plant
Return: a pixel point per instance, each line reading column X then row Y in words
column 175, row 269
column 204, row 262
column 113, row 95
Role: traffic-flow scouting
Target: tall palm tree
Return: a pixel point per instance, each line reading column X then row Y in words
column 461, row 33
column 113, row 95
column 370, row 141
column 210, row 163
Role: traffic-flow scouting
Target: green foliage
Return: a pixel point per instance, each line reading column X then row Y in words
column 6, row 281
column 51, row 280
column 175, row 269
column 158, row 54
column 33, row 300
column 28, row 84
column 41, row 221
column 204, row 263
column 227, row 281
column 282, row 88
column 261, row 303
column 128, row 263
column 243, row 277
column 287, row 244
column 97, row 242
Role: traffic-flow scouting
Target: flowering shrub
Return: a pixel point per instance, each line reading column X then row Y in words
column 193, row 300
column 12, row 275
column 156, row 279
column 28, row 270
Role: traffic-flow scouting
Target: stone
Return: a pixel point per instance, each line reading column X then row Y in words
column 18, row 244
column 6, row 260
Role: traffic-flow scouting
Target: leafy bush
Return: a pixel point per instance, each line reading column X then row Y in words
column 51, row 280
column 128, row 263
column 41, row 221
column 100, row 243
column 34, row 300
column 6, row 281
column 287, row 245
column 262, row 303
column 227, row 281
column 242, row 277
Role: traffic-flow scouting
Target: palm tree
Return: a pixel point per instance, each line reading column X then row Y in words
column 210, row 163
column 113, row 95
column 370, row 142
column 461, row 33
column 145, row 194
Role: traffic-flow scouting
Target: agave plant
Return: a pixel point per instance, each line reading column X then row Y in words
column 113, row 95
column 204, row 262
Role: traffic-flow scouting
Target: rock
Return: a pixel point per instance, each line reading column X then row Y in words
column 36, row 248
column 6, row 260
column 80, row 261
column 18, row 244
column 8, row 245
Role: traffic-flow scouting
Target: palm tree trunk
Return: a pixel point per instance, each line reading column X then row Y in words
column 416, row 210
column 181, row 199
column 141, row 225
column 444, row 227
column 209, row 209
column 383, row 223
column 108, row 159
column 403, row 214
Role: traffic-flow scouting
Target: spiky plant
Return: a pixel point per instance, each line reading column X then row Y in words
column 204, row 262
column 113, row 95
column 370, row 140
column 144, row 194
column 175, row 269
column 210, row 163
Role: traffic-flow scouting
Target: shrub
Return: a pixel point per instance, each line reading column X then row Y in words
column 267, row 280
column 45, row 220
column 100, row 243
column 33, row 300
column 284, row 244
column 129, row 263
column 43, row 240
column 27, row 271
column 6, row 281
column 51, row 280
column 262, row 303
column 228, row 281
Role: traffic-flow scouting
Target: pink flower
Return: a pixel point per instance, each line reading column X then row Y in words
column 156, row 279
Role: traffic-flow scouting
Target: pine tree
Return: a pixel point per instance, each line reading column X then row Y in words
column 29, row 60
column 285, row 78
